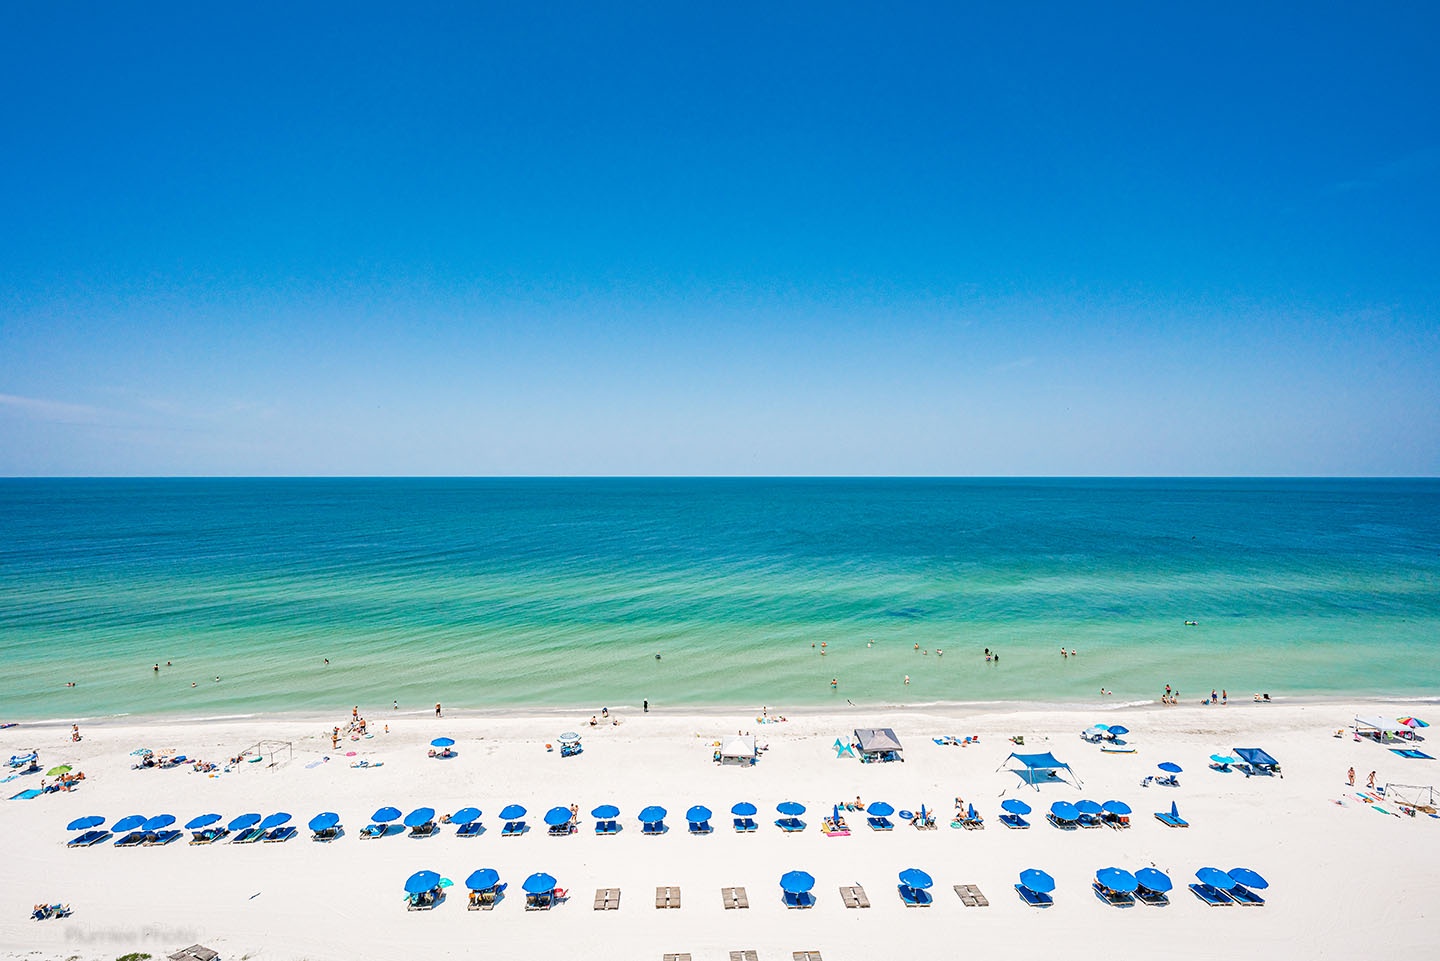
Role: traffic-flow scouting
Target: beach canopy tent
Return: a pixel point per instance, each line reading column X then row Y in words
column 1255, row 757
column 1379, row 726
column 737, row 749
column 1036, row 768
column 877, row 741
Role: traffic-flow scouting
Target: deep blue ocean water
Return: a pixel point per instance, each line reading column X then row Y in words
column 487, row 593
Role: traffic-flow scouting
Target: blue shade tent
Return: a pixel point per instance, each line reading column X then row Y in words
column 1036, row 768
column 1215, row 878
column 1065, row 811
column 465, row 816
column 158, row 823
column 1116, row 879
column 1118, row 808
column 275, row 820
column 915, row 878
column 242, row 823
column 1015, row 806
column 382, row 816
column 482, row 880
column 557, row 816
column 513, row 811
column 203, row 821
column 653, row 814
column 325, row 821
column 539, row 883
column 796, row 882
column 1154, row 880
column 419, row 817
column 743, row 810
column 605, row 812
column 1170, row 767
column 1255, row 756
column 697, row 814
column 1248, row 878
column 1119, row 729
column 443, row 742
column 89, row 821
column 880, row 809
column 1088, row 807
column 1037, row 880
column 791, row 809
column 422, row 881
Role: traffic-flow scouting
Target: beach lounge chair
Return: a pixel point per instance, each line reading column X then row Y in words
column 667, row 896
column 195, row 952
column 540, row 902
column 132, row 840
column 424, row 901
column 880, row 823
column 700, row 827
column 1151, row 897
column 915, row 897
column 607, row 899
column 208, row 835
column 281, row 834
column 425, row 830
column 1118, row 899
column 1172, row 819
column 607, row 827
column 45, row 912
column 1245, row 897
column 799, row 899
column 1064, row 824
column 854, row 896
column 1015, row 822
column 749, row 955
column 1036, row 899
column 790, row 825
column 679, row 956
column 745, row 825
column 970, row 896
column 653, row 827
column 373, row 831
column 87, row 839
column 1211, row 895
column 734, row 898
column 513, row 829
column 472, row 830
column 157, row 839
column 805, row 956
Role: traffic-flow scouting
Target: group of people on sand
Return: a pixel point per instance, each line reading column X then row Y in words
column 1369, row 782
column 1171, row 695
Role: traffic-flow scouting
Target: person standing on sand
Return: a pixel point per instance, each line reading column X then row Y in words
column 1371, row 781
column 1351, row 777
column 437, row 708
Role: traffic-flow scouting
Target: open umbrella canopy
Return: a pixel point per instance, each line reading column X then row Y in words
column 1215, row 878
column 539, row 883
column 915, row 878
column 132, row 821
column 1154, row 880
column 791, row 809
column 605, row 812
column 443, row 742
column 158, row 823
column 1169, row 767
column 1118, row 808
column 1088, row 807
column 482, row 880
column 512, row 811
column 243, row 823
column 796, row 882
column 1099, row 727
column 743, row 810
column 1224, row 759
column 569, row 737
column 557, row 816
column 1014, row 806
column 419, row 817
column 880, row 809
column 202, row 821
column 1119, row 729
column 58, row 770
column 697, row 814
column 141, row 751
column 278, row 819
column 1037, row 880
column 422, row 881
column 465, row 816
column 653, row 814
column 1065, row 811
column 1116, row 879
column 85, row 823
column 385, row 815
column 1412, row 722
column 324, row 821
column 1248, row 878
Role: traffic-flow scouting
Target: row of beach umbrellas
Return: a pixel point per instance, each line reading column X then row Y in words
column 1152, row 879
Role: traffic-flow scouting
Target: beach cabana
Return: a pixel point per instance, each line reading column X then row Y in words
column 1035, row 887
column 560, row 822
column 421, row 822
column 605, row 816
column 1152, row 885
column 1036, row 769
column 737, row 749
column 914, row 884
column 1257, row 761
column 1014, row 816
column 540, row 893
column 790, row 821
column 485, row 888
column 325, row 826
column 698, row 817
column 423, row 891
column 1116, row 887
column 514, row 817
column 878, row 816
column 744, row 814
column 878, row 744
column 796, row 886
column 652, row 820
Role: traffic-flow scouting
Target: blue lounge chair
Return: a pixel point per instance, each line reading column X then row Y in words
column 472, row 830
column 513, row 829
column 161, row 838
column 652, row 820
column 799, row 899
column 700, row 827
column 1116, row 887
column 1064, row 816
column 915, row 897
column 653, row 827
column 1211, row 895
column 1245, row 897
column 1015, row 822
column 467, row 823
column 1036, row 899
column 879, row 823
column 248, row 836
column 1173, row 818
column 1151, row 885
column 1118, row 899
column 745, row 825
column 281, row 834
column 132, row 840
column 790, row 825
column 1035, row 887
column 87, row 839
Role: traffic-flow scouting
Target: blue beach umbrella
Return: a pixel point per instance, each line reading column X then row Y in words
column 1015, row 806
column 743, row 810
column 1248, row 878
column 539, row 883
column 697, row 814
column 652, row 815
column 443, row 742
column 605, row 812
column 1224, row 759
column 1169, row 767
column 1088, row 807
column 790, row 809
column 132, row 821
column 465, row 816
column 85, row 823
column 275, row 820
column 482, row 880
column 880, row 809
column 1065, row 811
column 915, row 878
column 202, row 821
column 382, row 816
column 1116, row 807
column 1116, row 879
column 1119, row 729
column 1099, row 727
column 324, row 821
column 1154, row 880
column 796, row 882
column 422, row 881
column 419, row 817
column 158, row 823
column 1215, row 878
column 557, row 816
column 513, row 811
column 1037, row 880
column 244, row 822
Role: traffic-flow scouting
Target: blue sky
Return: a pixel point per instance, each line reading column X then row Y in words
column 720, row 239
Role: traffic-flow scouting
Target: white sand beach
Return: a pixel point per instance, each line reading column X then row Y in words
column 1345, row 879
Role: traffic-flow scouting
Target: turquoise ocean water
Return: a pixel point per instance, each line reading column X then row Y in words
column 551, row 593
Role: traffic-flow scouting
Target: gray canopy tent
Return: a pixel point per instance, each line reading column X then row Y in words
column 878, row 744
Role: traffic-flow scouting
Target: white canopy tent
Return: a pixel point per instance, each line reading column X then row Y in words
column 737, row 749
column 1379, row 725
